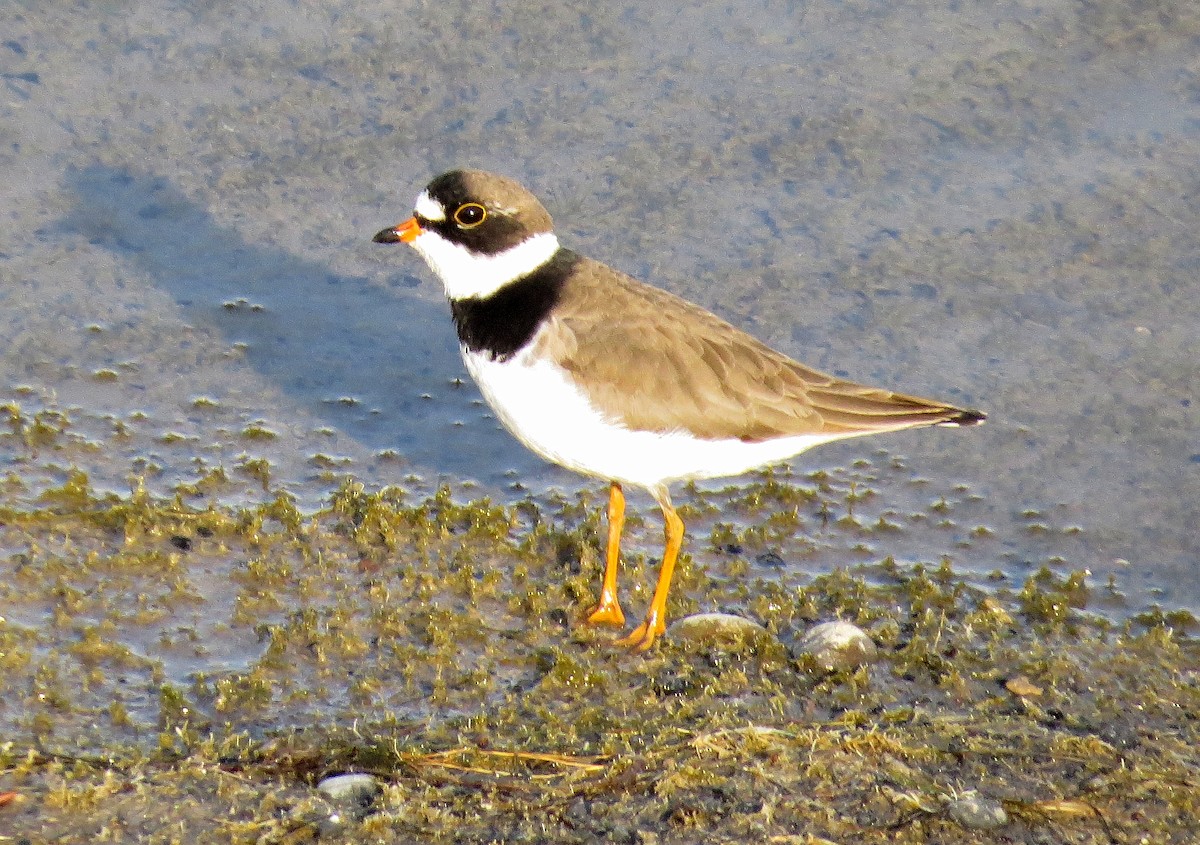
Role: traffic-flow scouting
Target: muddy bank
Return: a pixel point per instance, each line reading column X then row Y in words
column 190, row 674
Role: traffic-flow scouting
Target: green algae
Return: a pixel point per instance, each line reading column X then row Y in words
column 435, row 644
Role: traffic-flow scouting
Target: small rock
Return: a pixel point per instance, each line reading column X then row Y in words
column 976, row 812
column 1022, row 687
column 837, row 646
column 350, row 789
column 723, row 629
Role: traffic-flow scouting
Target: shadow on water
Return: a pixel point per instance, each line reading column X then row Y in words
column 376, row 366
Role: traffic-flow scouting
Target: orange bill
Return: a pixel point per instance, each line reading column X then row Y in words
column 406, row 232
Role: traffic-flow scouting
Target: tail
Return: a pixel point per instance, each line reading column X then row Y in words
column 851, row 409
column 964, row 417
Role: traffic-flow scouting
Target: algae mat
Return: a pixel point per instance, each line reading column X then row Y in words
column 176, row 674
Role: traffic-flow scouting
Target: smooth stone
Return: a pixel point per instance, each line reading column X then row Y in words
column 977, row 812
column 837, row 646
column 718, row 629
column 356, row 788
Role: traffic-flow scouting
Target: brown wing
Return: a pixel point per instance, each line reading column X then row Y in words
column 659, row 363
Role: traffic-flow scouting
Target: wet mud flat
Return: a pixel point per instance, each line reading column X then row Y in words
column 176, row 671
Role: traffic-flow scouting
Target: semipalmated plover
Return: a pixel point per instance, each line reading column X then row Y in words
column 610, row 377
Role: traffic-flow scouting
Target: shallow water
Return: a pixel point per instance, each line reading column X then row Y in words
column 990, row 204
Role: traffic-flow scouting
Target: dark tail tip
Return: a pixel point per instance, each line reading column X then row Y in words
column 966, row 417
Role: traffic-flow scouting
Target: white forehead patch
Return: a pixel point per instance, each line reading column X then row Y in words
column 429, row 208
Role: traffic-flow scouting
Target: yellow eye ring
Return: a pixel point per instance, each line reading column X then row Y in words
column 469, row 215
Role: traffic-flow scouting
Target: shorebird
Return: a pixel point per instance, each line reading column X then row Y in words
column 613, row 378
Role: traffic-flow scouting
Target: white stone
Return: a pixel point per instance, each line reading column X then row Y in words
column 838, row 646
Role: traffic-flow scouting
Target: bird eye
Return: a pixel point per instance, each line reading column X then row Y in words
column 469, row 215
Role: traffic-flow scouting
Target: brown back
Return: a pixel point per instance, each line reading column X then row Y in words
column 656, row 362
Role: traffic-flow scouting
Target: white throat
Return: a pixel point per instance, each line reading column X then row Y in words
column 466, row 274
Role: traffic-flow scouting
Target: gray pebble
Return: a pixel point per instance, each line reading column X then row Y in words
column 350, row 789
column 723, row 629
column 976, row 812
column 837, row 646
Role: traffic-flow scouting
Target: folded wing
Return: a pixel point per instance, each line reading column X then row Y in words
column 664, row 364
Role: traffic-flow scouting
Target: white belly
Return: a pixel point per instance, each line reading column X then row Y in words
column 536, row 401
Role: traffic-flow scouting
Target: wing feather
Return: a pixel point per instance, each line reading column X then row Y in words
column 656, row 362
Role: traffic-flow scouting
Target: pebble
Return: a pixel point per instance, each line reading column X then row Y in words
column 352, row 788
column 1023, row 687
column 837, row 646
column 977, row 812
column 723, row 629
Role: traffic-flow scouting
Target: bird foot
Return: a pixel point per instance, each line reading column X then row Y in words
column 643, row 636
column 606, row 612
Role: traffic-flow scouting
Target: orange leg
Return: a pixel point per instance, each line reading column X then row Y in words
column 644, row 635
column 608, row 609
